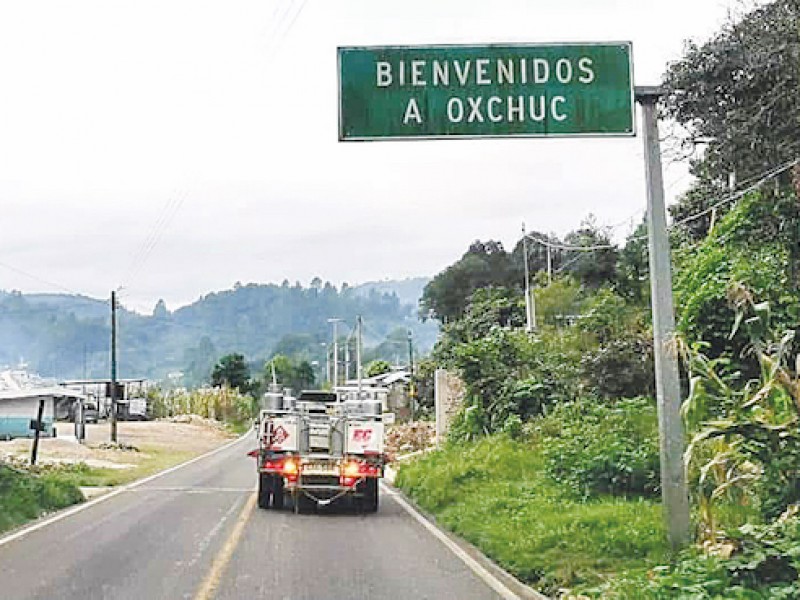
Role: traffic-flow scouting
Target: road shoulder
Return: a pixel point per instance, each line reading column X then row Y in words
column 503, row 582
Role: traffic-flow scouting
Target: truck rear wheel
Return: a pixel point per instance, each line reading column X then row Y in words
column 369, row 495
column 264, row 489
column 277, row 493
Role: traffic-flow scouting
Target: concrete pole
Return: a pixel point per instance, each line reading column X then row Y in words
column 327, row 361
column 412, row 388
column 358, row 355
column 668, row 393
column 528, row 307
column 114, row 367
column 347, row 359
column 335, row 322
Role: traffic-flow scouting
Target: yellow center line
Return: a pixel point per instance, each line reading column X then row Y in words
column 210, row 584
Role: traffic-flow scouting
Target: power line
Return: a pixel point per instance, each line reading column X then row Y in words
column 39, row 279
column 279, row 40
column 768, row 175
column 168, row 213
column 736, row 196
column 557, row 246
column 277, row 25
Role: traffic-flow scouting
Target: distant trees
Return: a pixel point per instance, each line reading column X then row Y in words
column 68, row 336
column 595, row 268
column 488, row 265
column 296, row 374
column 485, row 264
column 199, row 361
column 160, row 310
column 232, row 370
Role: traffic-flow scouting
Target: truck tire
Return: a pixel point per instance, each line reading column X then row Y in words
column 264, row 489
column 277, row 493
column 369, row 495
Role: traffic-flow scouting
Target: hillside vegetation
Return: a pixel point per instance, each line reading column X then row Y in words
column 69, row 336
column 552, row 463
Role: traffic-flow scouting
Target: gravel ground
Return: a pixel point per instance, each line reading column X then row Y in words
column 195, row 437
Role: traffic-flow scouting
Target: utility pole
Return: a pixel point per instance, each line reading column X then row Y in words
column 412, row 388
column 335, row 321
column 327, row 362
column 668, row 392
column 549, row 264
column 347, row 359
column 358, row 354
column 114, row 367
column 528, row 303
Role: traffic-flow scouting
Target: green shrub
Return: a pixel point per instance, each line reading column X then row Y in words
column 765, row 564
column 25, row 496
column 496, row 494
column 621, row 368
column 593, row 449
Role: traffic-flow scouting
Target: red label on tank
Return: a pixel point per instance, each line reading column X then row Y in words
column 279, row 435
column 362, row 436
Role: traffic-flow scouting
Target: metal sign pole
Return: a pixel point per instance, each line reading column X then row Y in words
column 37, row 432
column 668, row 393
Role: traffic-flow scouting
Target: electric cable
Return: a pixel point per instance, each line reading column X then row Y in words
column 766, row 176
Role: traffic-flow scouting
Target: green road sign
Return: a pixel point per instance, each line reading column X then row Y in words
column 528, row 90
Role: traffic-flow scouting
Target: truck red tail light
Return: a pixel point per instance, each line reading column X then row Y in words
column 355, row 469
column 290, row 467
column 352, row 469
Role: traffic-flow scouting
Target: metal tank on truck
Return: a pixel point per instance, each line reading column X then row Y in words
column 319, row 448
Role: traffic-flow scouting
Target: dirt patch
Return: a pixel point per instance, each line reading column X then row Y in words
column 147, row 437
column 410, row 437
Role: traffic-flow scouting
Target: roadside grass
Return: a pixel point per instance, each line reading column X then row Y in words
column 495, row 494
column 239, row 427
column 27, row 496
column 149, row 461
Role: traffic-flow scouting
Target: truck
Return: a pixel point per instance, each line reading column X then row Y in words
column 318, row 448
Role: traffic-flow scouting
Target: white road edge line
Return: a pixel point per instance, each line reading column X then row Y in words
column 477, row 568
column 88, row 504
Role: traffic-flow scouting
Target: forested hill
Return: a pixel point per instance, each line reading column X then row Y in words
column 68, row 336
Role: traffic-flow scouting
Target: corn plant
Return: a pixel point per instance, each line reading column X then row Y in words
column 745, row 445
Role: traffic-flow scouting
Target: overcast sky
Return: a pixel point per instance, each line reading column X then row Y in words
column 176, row 147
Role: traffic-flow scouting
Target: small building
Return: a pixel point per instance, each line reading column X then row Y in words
column 394, row 388
column 19, row 407
column 131, row 396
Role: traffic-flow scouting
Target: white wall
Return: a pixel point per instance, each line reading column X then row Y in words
column 25, row 407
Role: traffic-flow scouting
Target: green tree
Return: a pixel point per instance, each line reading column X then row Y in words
column 378, row 367
column 592, row 268
column 232, row 370
column 292, row 373
column 483, row 265
column 537, row 256
column 736, row 97
column 633, row 268
column 487, row 309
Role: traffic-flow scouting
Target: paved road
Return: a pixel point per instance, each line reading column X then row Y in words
column 193, row 532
